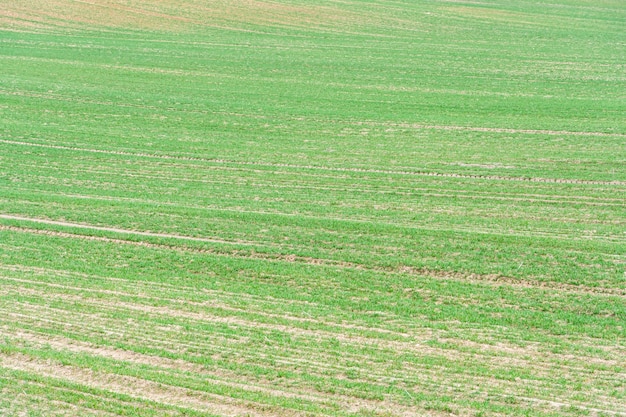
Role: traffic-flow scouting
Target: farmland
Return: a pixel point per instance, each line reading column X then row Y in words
column 312, row 208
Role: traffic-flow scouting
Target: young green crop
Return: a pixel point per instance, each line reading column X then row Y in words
column 312, row 208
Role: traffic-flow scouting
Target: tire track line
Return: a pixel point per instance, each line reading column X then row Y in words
column 158, row 362
column 488, row 354
column 138, row 388
column 87, row 376
column 125, row 231
column 151, row 285
column 371, row 188
column 413, row 345
column 317, row 366
column 513, row 356
column 206, row 306
column 220, row 376
column 318, row 167
column 489, row 279
column 301, row 360
column 492, row 129
column 412, row 192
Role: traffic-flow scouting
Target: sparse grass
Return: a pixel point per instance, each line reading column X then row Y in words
column 300, row 209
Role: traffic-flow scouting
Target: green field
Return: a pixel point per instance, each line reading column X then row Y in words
column 312, row 208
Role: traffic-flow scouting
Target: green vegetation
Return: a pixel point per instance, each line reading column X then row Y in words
column 296, row 208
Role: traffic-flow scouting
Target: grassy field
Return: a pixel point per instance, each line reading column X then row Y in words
column 312, row 208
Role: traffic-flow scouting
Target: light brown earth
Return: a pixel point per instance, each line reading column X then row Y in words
column 171, row 15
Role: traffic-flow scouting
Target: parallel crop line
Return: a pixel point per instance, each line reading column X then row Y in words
column 88, row 279
column 158, row 363
column 213, row 305
column 493, row 129
column 207, row 315
column 321, row 369
column 139, row 388
column 317, row 167
column 438, row 385
column 301, row 361
column 414, row 346
column 125, row 231
column 319, row 356
column 241, row 324
column 490, row 279
column 314, row 360
column 209, row 304
column 198, row 371
column 296, row 184
column 417, row 192
column 563, row 235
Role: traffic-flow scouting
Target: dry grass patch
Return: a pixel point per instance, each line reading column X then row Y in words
column 94, row 14
column 176, row 16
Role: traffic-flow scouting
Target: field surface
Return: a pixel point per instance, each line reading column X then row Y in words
column 312, row 208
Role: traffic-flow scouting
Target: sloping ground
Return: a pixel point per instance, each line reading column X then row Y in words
column 300, row 209
column 182, row 16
